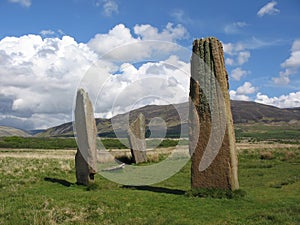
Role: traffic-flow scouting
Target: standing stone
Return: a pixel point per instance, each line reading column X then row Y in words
column 86, row 131
column 212, row 138
column 136, row 137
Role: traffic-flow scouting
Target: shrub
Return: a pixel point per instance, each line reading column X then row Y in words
column 266, row 155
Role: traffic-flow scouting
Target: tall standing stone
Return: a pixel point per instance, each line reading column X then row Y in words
column 212, row 138
column 136, row 137
column 86, row 131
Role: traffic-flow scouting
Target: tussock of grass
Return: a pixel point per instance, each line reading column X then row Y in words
column 288, row 155
column 266, row 155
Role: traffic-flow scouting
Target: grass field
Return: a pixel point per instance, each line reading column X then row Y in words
column 70, row 143
column 277, row 132
column 40, row 189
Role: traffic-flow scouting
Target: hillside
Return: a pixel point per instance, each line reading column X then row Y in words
column 243, row 112
column 9, row 131
column 295, row 110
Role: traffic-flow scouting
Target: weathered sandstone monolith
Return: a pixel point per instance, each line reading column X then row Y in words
column 212, row 138
column 86, row 132
column 136, row 137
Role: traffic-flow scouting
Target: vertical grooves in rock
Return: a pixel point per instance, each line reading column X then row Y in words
column 209, row 109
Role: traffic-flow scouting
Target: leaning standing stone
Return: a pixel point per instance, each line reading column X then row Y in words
column 136, row 136
column 86, row 132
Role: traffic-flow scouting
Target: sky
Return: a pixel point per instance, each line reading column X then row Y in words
column 127, row 54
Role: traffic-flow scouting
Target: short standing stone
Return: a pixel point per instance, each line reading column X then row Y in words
column 214, row 159
column 136, row 136
column 86, row 132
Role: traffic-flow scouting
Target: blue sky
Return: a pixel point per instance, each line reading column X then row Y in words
column 47, row 46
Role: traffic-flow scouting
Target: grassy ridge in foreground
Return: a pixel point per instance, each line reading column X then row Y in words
column 42, row 191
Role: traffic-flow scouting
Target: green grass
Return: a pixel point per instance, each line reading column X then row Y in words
column 280, row 132
column 216, row 193
column 37, row 143
column 43, row 191
column 70, row 143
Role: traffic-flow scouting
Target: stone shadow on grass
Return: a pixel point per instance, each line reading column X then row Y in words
column 156, row 189
column 125, row 159
column 59, row 181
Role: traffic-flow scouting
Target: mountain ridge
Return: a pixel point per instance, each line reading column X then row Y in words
column 242, row 111
column 10, row 131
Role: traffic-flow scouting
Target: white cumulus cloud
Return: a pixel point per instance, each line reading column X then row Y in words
column 290, row 65
column 39, row 77
column 268, row 9
column 237, row 52
column 120, row 36
column 294, row 59
column 169, row 33
column 117, row 36
column 233, row 48
column 242, row 93
column 136, row 85
column 246, row 89
column 236, row 96
column 238, row 73
column 284, row 101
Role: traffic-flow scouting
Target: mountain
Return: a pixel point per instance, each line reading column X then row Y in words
column 9, row 131
column 295, row 110
column 66, row 129
column 34, row 132
column 242, row 111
